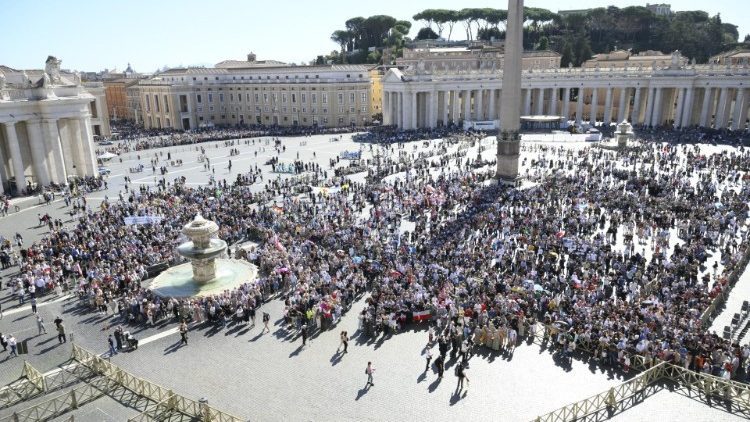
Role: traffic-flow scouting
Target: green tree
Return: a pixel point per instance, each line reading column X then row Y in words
column 427, row 33
column 543, row 44
column 567, row 55
column 342, row 38
column 582, row 50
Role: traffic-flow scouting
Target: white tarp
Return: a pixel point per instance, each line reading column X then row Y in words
column 143, row 219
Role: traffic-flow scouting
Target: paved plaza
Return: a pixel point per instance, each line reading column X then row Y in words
column 270, row 376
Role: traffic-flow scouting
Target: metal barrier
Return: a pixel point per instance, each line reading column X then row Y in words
column 703, row 387
column 166, row 401
column 713, row 309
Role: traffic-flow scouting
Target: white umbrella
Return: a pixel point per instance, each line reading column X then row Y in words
column 106, row 156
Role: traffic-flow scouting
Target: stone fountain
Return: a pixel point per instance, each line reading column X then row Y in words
column 624, row 134
column 207, row 273
column 203, row 249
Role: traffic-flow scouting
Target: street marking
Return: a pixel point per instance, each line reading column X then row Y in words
column 38, row 305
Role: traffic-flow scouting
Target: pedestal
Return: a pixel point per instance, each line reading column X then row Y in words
column 508, row 152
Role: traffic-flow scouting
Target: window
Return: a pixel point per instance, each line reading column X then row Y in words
column 294, row 109
column 283, row 109
column 341, row 109
column 324, row 98
column 221, row 97
column 351, row 109
column 341, row 120
column 256, row 98
column 314, row 98
column 200, row 109
column 304, row 109
column 313, row 110
column 275, row 97
column 364, row 109
column 325, row 111
column 247, row 97
column 198, row 98
column 325, row 120
column 341, row 98
column 257, row 108
column 148, row 105
column 283, row 98
column 210, row 108
column 351, row 98
column 294, row 98
column 156, row 104
column 303, row 97
column 168, row 124
column 166, row 107
column 364, row 97
column 267, row 109
column 265, row 98
column 210, row 97
column 239, row 97
column 223, row 116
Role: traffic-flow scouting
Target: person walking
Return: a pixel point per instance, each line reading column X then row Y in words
column 112, row 349
column 427, row 353
column 183, row 333
column 61, row 333
column 345, row 340
column 369, row 371
column 40, row 325
column 118, row 337
column 440, row 364
column 304, row 334
column 461, row 374
column 266, row 319
column 33, row 304
column 12, row 343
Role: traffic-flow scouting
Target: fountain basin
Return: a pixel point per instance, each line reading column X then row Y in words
column 214, row 249
column 178, row 281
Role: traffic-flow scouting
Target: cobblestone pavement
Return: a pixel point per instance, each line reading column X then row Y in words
column 270, row 377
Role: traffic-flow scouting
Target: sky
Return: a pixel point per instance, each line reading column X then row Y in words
column 93, row 35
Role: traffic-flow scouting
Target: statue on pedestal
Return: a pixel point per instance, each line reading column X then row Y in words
column 675, row 59
column 52, row 68
column 3, row 94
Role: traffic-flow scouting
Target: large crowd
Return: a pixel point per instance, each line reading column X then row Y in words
column 610, row 251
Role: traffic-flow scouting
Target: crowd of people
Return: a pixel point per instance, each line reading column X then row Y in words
column 619, row 253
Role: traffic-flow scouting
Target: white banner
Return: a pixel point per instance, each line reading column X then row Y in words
column 144, row 219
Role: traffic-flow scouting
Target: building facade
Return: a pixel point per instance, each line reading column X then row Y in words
column 693, row 95
column 46, row 127
column 468, row 58
column 271, row 94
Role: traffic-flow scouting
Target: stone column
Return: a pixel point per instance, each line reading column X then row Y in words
column 399, row 118
column 386, row 108
column 38, row 152
column 635, row 116
column 15, row 156
column 68, row 152
column 579, row 106
column 527, row 103
column 455, row 100
column 479, row 105
column 647, row 120
column 87, row 143
column 492, row 111
column 406, row 99
column 467, row 105
column 429, row 108
column 76, row 141
column 707, row 107
column 680, row 93
column 51, row 135
column 413, row 111
column 739, row 105
column 4, row 169
column 721, row 109
column 656, row 120
column 553, row 104
column 608, row 107
column 539, row 106
column 624, row 93
column 566, row 104
column 594, row 106
column 508, row 142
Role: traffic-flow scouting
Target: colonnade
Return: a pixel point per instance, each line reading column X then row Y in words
column 45, row 150
column 680, row 101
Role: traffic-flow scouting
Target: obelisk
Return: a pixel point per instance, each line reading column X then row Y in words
column 509, row 139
